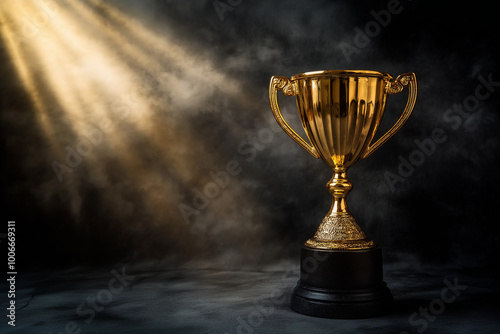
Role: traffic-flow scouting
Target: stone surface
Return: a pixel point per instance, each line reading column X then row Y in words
column 164, row 300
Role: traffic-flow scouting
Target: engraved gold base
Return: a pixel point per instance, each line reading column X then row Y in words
column 356, row 244
column 339, row 231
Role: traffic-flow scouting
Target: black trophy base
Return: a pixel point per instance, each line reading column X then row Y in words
column 341, row 284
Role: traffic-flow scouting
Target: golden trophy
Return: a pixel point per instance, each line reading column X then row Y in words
column 341, row 269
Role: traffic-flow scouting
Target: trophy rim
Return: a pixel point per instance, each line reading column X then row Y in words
column 342, row 73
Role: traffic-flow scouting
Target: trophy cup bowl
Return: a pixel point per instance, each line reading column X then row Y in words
column 340, row 111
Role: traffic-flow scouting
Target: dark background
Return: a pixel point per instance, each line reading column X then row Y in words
column 199, row 87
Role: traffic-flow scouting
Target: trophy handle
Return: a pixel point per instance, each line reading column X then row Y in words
column 284, row 84
column 403, row 80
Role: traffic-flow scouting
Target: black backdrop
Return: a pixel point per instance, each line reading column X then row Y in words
column 204, row 125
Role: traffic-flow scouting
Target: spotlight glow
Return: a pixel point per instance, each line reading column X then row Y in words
column 87, row 63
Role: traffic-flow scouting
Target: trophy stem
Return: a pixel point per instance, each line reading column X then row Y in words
column 339, row 229
column 339, row 186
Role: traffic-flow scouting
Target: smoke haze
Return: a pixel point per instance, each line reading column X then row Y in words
column 143, row 131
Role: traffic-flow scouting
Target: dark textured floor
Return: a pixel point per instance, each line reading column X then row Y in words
column 138, row 299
